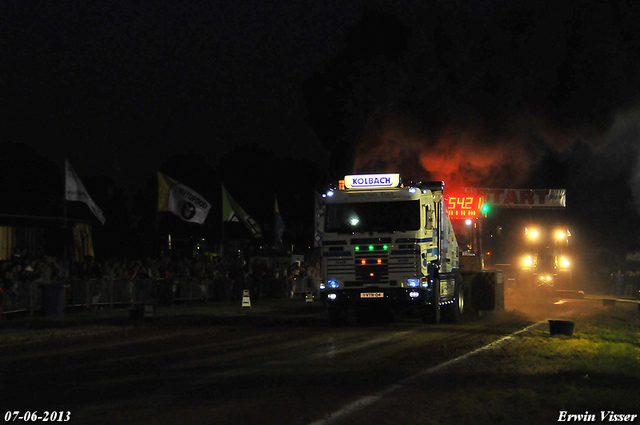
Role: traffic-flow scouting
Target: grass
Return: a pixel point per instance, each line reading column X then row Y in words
column 27, row 329
column 534, row 376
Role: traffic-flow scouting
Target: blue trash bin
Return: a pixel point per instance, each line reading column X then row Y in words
column 53, row 298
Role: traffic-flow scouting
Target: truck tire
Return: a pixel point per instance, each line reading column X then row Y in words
column 338, row 316
column 470, row 310
column 363, row 316
column 454, row 313
column 432, row 315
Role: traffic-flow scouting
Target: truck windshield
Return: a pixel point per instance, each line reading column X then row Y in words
column 373, row 217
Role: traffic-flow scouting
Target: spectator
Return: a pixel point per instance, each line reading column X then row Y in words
column 618, row 279
column 628, row 284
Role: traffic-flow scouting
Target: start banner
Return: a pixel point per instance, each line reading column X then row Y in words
column 521, row 198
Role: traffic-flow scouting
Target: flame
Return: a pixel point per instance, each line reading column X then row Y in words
column 460, row 159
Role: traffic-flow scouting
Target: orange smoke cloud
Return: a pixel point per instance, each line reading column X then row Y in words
column 458, row 159
column 466, row 161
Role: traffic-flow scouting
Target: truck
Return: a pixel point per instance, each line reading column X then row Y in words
column 545, row 266
column 388, row 245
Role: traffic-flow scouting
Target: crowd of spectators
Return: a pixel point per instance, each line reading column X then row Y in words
column 264, row 277
column 625, row 284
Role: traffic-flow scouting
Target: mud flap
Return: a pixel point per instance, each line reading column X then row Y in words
column 485, row 290
column 433, row 314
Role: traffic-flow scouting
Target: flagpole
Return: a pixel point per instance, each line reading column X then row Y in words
column 222, row 222
column 65, row 225
column 158, row 237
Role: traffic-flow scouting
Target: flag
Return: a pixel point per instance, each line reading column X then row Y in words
column 75, row 191
column 279, row 224
column 83, row 241
column 231, row 211
column 181, row 200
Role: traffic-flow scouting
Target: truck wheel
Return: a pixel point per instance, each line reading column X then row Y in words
column 338, row 316
column 432, row 314
column 363, row 315
column 455, row 312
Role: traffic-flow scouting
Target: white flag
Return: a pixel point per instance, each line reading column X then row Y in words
column 181, row 200
column 75, row 191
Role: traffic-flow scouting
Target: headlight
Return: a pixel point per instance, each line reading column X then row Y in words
column 413, row 283
column 528, row 261
column 564, row 262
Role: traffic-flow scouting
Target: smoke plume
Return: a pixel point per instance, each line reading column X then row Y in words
column 459, row 158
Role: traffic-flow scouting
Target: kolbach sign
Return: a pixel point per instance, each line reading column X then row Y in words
column 368, row 181
column 522, row 198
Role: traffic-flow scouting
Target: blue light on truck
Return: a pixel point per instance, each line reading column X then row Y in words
column 413, row 283
column 333, row 283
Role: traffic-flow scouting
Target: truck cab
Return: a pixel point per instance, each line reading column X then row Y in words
column 388, row 243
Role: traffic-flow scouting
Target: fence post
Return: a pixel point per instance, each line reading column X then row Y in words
column 111, row 293
column 31, row 298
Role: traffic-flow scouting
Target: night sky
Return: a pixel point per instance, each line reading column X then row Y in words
column 539, row 94
column 118, row 87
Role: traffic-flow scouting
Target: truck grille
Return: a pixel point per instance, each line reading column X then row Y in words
column 372, row 267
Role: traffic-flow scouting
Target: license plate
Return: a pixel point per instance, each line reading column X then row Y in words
column 372, row 295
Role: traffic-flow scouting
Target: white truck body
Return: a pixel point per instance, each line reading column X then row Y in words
column 388, row 242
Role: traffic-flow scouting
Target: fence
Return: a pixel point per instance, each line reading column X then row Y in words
column 110, row 293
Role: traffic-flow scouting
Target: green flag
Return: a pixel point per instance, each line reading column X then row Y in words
column 231, row 211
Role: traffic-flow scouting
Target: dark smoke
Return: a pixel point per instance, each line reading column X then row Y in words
column 496, row 86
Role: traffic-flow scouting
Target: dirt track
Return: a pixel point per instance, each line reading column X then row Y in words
column 286, row 368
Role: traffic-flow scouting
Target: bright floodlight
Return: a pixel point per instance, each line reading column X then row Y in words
column 561, row 234
column 354, row 221
column 534, row 234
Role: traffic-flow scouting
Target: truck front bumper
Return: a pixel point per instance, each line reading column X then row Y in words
column 374, row 296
